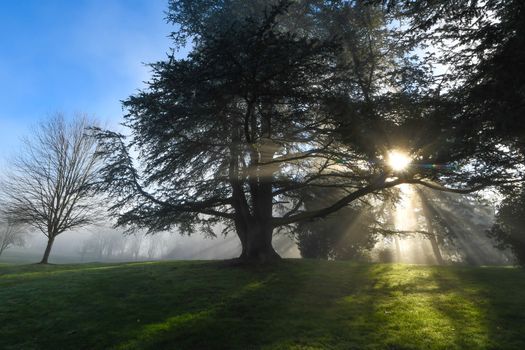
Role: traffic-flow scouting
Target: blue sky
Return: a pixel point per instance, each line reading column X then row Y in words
column 74, row 56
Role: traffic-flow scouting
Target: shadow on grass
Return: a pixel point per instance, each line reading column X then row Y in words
column 292, row 305
column 289, row 308
column 495, row 295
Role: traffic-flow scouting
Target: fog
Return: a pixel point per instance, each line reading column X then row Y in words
column 458, row 225
column 105, row 244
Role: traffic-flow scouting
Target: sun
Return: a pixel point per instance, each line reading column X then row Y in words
column 398, row 160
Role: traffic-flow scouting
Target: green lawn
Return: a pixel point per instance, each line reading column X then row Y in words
column 293, row 305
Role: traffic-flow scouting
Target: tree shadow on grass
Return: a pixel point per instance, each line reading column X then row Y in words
column 495, row 295
column 285, row 308
column 448, row 308
column 93, row 308
column 291, row 305
column 332, row 306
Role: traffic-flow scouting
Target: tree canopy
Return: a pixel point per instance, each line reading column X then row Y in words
column 278, row 97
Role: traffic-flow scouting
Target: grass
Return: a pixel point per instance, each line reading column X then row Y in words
column 293, row 305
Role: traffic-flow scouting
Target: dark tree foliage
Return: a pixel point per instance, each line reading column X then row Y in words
column 277, row 97
column 481, row 45
column 340, row 236
column 478, row 47
column 509, row 228
column 348, row 234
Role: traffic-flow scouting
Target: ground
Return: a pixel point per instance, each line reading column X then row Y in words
column 295, row 304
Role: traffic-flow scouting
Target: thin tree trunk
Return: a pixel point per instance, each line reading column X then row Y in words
column 435, row 248
column 431, row 233
column 3, row 245
column 48, row 250
column 398, row 249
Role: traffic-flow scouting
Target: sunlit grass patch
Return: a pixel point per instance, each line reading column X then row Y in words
column 151, row 332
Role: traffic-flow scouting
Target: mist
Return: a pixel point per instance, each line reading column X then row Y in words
column 459, row 226
column 106, row 244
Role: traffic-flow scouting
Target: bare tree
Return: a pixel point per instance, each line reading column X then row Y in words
column 104, row 244
column 50, row 186
column 11, row 235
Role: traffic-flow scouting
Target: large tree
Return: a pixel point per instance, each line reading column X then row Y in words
column 51, row 182
column 271, row 101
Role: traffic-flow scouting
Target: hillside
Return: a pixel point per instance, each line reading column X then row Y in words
column 296, row 304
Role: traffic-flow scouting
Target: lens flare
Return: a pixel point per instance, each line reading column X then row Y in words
column 398, row 160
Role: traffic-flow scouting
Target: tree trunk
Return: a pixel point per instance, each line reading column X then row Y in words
column 253, row 215
column 257, row 245
column 398, row 250
column 431, row 234
column 48, row 250
column 435, row 248
column 3, row 245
